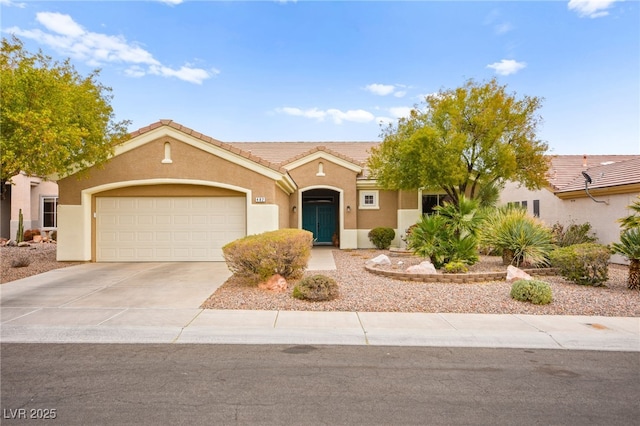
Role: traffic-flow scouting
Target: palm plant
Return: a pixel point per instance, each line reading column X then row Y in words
column 629, row 245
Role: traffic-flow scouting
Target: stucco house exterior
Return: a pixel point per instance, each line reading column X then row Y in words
column 38, row 200
column 173, row 194
column 615, row 184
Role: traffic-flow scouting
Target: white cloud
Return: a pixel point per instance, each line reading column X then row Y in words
column 400, row 94
column 591, row 8
column 503, row 28
column 338, row 116
column 69, row 38
column 171, row 2
column 9, row 3
column 507, row 66
column 380, row 89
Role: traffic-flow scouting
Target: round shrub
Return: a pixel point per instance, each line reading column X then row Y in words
column 534, row 291
column 316, row 288
column 381, row 237
column 456, row 268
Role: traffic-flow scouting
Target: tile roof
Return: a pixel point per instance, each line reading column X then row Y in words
column 286, row 152
column 564, row 172
column 607, row 175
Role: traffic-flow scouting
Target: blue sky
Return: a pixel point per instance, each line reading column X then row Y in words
column 333, row 71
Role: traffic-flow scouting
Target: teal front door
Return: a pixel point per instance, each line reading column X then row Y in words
column 320, row 219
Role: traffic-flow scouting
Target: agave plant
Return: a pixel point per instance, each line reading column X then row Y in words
column 629, row 246
column 523, row 239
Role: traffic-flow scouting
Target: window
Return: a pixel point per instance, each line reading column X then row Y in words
column 49, row 209
column 430, row 202
column 536, row 208
column 524, row 205
column 369, row 200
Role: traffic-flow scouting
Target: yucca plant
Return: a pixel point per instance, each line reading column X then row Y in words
column 523, row 239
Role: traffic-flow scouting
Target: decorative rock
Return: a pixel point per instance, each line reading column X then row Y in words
column 24, row 244
column 276, row 283
column 37, row 238
column 515, row 274
column 11, row 243
column 382, row 259
column 425, row 267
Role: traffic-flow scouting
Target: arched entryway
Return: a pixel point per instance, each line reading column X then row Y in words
column 320, row 215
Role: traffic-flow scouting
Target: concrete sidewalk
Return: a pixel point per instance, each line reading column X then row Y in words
column 159, row 303
column 154, row 325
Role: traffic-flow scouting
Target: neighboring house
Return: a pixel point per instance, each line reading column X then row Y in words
column 615, row 184
column 38, row 200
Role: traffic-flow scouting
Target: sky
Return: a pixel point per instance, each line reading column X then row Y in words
column 338, row 71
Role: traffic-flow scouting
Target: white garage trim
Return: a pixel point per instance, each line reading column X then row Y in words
column 156, row 229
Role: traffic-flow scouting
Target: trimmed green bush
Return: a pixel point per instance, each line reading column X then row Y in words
column 316, row 288
column 456, row 267
column 586, row 264
column 255, row 258
column 381, row 237
column 534, row 291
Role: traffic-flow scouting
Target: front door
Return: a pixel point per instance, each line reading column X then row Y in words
column 320, row 219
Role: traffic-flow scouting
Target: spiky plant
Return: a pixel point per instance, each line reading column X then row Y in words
column 629, row 246
column 523, row 239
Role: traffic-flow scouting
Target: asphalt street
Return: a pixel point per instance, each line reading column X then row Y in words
column 107, row 384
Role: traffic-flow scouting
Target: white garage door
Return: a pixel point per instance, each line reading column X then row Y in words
column 145, row 229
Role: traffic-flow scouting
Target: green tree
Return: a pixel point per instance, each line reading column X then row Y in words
column 464, row 140
column 52, row 118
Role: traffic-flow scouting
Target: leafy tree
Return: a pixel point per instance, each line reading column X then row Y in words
column 52, row 118
column 463, row 140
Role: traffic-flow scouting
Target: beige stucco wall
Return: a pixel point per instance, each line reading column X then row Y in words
column 145, row 171
column 579, row 210
column 26, row 193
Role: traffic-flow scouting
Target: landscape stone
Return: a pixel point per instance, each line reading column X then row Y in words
column 515, row 274
column 276, row 283
column 382, row 259
column 425, row 267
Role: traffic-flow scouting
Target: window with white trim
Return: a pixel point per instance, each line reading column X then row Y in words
column 49, row 212
column 369, row 200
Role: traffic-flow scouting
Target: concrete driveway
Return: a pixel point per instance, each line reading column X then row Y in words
column 176, row 285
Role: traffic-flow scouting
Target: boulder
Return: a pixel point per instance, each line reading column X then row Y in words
column 37, row 238
column 382, row 259
column 276, row 283
column 515, row 274
column 425, row 267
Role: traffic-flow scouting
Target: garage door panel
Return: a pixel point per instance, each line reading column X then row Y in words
column 167, row 228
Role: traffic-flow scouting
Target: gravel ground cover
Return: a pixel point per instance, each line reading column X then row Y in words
column 41, row 257
column 366, row 292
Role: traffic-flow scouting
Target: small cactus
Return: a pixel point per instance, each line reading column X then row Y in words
column 20, row 233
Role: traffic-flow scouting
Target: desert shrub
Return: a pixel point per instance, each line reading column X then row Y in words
column 534, row 291
column 54, row 235
column 456, row 267
column 586, row 264
column 255, row 258
column 573, row 234
column 21, row 261
column 316, row 288
column 30, row 233
column 522, row 239
column 381, row 237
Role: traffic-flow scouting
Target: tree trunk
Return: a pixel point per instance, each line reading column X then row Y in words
column 634, row 274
